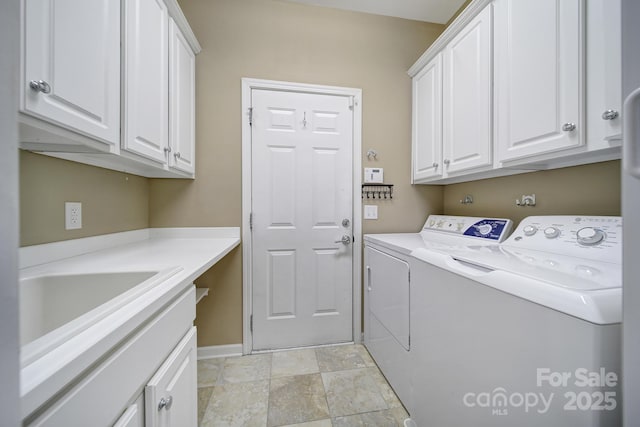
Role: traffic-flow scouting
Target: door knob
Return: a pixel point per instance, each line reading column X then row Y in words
column 345, row 240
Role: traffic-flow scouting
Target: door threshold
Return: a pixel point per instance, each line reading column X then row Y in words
column 277, row 350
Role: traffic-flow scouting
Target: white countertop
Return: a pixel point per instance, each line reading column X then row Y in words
column 181, row 254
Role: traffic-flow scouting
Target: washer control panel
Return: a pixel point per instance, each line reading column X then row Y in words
column 493, row 229
column 592, row 237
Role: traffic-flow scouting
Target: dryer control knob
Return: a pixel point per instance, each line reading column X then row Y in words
column 551, row 232
column 589, row 236
column 484, row 229
column 530, row 230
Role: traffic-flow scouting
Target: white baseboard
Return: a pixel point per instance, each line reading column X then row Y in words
column 214, row 351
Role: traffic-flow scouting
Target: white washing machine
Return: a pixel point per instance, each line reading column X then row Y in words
column 388, row 285
column 526, row 333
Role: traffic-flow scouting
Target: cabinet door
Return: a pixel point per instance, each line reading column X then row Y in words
column 427, row 121
column 133, row 416
column 171, row 395
column 538, row 76
column 182, row 94
column 604, row 103
column 146, row 110
column 73, row 49
column 467, row 100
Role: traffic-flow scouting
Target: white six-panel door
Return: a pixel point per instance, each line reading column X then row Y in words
column 301, row 205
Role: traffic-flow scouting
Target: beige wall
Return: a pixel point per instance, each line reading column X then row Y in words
column 111, row 201
column 585, row 190
column 278, row 40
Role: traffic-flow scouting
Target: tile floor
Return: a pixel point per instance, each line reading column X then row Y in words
column 338, row 386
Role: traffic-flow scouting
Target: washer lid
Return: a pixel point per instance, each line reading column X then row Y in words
column 558, row 270
column 600, row 306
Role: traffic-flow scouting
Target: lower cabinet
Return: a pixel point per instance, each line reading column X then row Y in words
column 147, row 380
column 171, row 395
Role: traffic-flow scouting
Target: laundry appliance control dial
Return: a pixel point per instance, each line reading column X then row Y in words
column 589, row 236
column 551, row 232
column 530, row 230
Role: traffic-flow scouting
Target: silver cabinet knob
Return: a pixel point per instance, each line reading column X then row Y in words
column 446, row 161
column 435, row 165
column 345, row 240
column 610, row 115
column 177, row 155
column 167, row 150
column 569, row 127
column 165, row 403
column 40, row 86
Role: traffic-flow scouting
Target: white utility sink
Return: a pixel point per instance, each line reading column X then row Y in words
column 54, row 308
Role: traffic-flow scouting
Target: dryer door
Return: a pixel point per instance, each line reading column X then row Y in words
column 387, row 286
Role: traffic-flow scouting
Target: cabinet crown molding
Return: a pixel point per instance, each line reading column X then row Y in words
column 449, row 33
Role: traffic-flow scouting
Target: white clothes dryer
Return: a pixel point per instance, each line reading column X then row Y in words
column 526, row 333
column 388, row 282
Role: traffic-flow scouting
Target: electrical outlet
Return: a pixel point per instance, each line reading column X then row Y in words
column 72, row 215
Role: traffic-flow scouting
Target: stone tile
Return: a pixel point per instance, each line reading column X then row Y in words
column 209, row 371
column 364, row 354
column 388, row 418
column 340, row 357
column 240, row 404
column 296, row 399
column 246, row 368
column 320, row 423
column 294, row 362
column 204, row 395
column 385, row 389
column 352, row 392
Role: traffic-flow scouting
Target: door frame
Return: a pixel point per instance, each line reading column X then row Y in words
column 248, row 84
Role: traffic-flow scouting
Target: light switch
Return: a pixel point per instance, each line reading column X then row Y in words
column 370, row 212
column 374, row 175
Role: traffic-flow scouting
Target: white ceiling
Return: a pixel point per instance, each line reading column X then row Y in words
column 439, row 11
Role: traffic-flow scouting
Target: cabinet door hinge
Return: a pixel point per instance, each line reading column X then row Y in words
column 250, row 116
column 351, row 102
column 409, row 276
column 251, row 221
column 251, row 323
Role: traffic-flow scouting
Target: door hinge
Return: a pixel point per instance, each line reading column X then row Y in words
column 250, row 116
column 251, row 323
column 251, row 221
column 409, row 274
column 351, row 102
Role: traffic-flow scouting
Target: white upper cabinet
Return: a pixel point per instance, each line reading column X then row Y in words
column 539, row 76
column 427, row 121
column 146, row 68
column 182, row 95
column 452, row 105
column 71, row 74
column 466, row 97
column 604, row 100
column 110, row 84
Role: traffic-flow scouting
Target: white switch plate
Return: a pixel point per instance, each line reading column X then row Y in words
column 72, row 215
column 374, row 175
column 370, row 212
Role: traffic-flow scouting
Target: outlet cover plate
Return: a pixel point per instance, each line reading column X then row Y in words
column 370, row 211
column 72, row 215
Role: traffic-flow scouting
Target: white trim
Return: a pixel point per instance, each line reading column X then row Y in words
column 216, row 351
column 449, row 33
column 248, row 85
